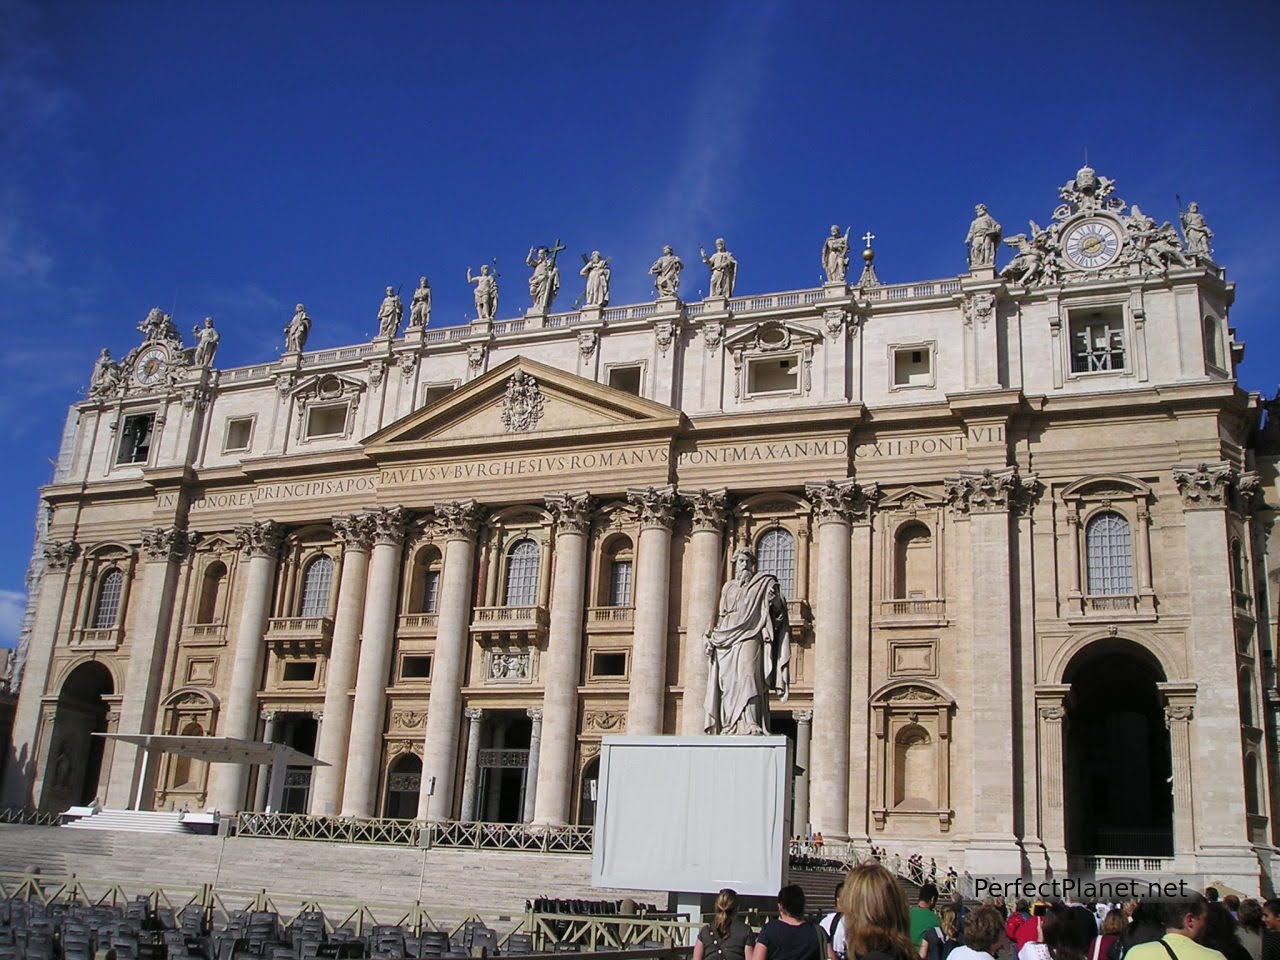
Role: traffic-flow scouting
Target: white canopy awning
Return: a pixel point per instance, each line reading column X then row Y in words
column 219, row 749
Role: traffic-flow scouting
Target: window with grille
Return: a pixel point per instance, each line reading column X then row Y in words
column 522, row 574
column 776, row 554
column 1097, row 342
column 106, row 611
column 430, row 591
column 315, row 588
column 135, row 438
column 1109, row 555
column 620, row 583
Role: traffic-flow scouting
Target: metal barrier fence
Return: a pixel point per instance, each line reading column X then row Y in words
column 449, row 834
column 39, row 818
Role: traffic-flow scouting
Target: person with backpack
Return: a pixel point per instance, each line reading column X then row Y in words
column 939, row 941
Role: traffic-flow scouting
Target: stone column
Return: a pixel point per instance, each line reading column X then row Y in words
column 368, row 712
column 440, row 750
column 1178, row 712
column 356, row 532
column 646, row 701
column 705, row 548
column 562, row 664
column 1051, row 720
column 860, row 670
column 20, row 771
column 531, row 771
column 164, row 549
column 835, row 505
column 260, row 541
column 471, row 772
column 985, row 499
column 804, row 733
column 270, row 729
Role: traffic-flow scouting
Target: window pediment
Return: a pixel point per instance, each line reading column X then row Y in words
column 772, row 336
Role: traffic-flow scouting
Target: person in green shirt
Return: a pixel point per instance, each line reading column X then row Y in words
column 1184, row 922
column 922, row 916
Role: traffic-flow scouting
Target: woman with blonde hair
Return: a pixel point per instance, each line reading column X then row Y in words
column 939, row 941
column 877, row 925
column 726, row 937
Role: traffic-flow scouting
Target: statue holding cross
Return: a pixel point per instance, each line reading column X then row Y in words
column 544, row 282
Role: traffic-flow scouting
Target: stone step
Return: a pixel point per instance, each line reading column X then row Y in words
column 132, row 821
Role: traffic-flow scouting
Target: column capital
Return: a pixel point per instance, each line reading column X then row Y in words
column 991, row 491
column 1214, row 485
column 534, row 714
column 388, row 525
column 354, row 530
column 60, row 554
column 1178, row 713
column 571, row 511
column 262, row 538
column 803, row 716
column 707, row 507
column 842, row 501
column 656, row 506
column 473, row 714
column 460, row 519
column 166, row 543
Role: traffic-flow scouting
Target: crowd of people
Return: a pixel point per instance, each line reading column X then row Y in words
column 872, row 921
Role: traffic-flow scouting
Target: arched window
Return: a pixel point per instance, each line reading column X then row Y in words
column 618, row 571
column 522, row 574
column 315, row 587
column 181, row 764
column 913, row 570
column 1212, row 343
column 106, row 610
column 776, row 554
column 1109, row 555
column 914, row 769
column 215, row 576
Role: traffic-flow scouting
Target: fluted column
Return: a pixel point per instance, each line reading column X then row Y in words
column 835, row 506
column 20, row 772
column 531, row 771
column 356, row 532
column 260, row 541
column 705, row 547
column 368, row 713
column 471, row 772
column 562, row 664
column 460, row 521
column 132, row 780
column 804, row 733
column 657, row 507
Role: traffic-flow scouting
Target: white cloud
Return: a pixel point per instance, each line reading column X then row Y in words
column 12, row 605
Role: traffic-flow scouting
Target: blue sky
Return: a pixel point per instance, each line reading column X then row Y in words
column 232, row 159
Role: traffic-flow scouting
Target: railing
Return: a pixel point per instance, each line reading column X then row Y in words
column 246, row 373
column 624, row 938
column 299, row 826
column 798, row 612
column 912, row 291
column 1121, row 864
column 207, row 632
column 637, row 311
column 1125, row 603
column 509, row 326
column 299, row 628
column 611, row 616
column 96, row 638
column 930, row 607
column 35, row 818
column 419, row 624
column 563, row 320
column 460, row 835
column 508, row 618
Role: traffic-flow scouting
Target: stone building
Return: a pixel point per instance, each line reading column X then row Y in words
column 1018, row 518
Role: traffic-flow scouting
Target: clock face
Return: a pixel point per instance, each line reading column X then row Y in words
column 1092, row 244
column 150, row 365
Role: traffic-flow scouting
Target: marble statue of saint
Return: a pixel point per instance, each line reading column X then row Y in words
column 544, row 282
column 1196, row 231
column 666, row 272
column 420, row 306
column 750, row 651
column 206, row 343
column 106, row 374
column 390, row 313
column 486, row 292
column 724, row 270
column 296, row 333
column 983, row 238
column 596, row 269
column 835, row 255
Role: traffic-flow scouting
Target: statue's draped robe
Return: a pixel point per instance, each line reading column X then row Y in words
column 750, row 654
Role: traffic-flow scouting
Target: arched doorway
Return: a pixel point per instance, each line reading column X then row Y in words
column 1118, row 766
column 404, row 782
column 587, row 792
column 75, row 754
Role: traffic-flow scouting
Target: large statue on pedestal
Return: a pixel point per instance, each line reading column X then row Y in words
column 666, row 271
column 544, row 282
column 206, row 343
column 597, row 271
column 296, row 333
column 390, row 314
column 420, row 307
column 486, row 293
column 1196, row 231
column 835, row 255
column 983, row 238
column 750, row 651
column 724, row 270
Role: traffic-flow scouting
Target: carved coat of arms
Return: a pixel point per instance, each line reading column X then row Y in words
column 522, row 405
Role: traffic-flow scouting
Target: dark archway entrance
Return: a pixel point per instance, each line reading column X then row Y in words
column 75, row 754
column 504, row 763
column 1118, row 768
column 404, row 782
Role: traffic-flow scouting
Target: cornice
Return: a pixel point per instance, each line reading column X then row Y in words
column 811, row 420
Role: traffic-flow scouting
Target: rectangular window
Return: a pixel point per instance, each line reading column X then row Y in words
column 773, row 375
column 626, row 379
column 135, row 438
column 620, row 583
column 1097, row 341
column 608, row 664
column 437, row 391
column 417, row 667
column 431, row 591
column 299, row 671
column 327, row 421
column 239, row 434
column 913, row 365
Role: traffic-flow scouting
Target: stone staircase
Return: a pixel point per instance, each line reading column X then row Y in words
column 131, row 821
column 820, row 888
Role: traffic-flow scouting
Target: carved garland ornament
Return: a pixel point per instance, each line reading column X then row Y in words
column 604, row 720
column 522, row 406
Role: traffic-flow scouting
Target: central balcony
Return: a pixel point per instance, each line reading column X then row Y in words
column 610, row 619
column 509, row 625
column 418, row 624
column 913, row 611
column 308, row 630
column 96, row 638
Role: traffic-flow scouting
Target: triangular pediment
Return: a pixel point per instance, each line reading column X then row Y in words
column 769, row 335
column 523, row 402
column 911, row 497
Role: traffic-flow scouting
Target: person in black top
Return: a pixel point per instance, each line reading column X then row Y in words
column 727, row 937
column 790, row 937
